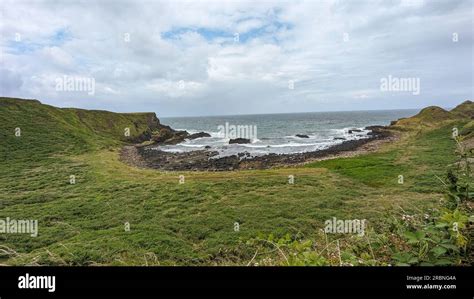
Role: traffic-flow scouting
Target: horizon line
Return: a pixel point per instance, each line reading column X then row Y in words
column 223, row 115
column 300, row 112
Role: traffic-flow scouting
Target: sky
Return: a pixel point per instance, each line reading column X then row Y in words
column 188, row 58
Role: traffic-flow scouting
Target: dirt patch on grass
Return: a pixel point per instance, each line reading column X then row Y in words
column 129, row 155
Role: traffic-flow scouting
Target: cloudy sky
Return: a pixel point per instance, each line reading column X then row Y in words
column 181, row 58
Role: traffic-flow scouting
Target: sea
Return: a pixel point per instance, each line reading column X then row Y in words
column 276, row 133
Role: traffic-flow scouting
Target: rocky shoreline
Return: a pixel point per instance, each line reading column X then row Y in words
column 147, row 156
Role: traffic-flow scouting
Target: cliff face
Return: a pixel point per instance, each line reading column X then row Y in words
column 84, row 127
column 134, row 127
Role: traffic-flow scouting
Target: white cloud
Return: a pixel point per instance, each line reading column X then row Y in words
column 247, row 25
column 193, row 42
column 58, row 56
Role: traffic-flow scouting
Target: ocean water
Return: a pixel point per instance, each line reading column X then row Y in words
column 276, row 133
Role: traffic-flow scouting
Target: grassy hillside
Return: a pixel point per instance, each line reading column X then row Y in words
column 191, row 223
column 67, row 130
column 466, row 109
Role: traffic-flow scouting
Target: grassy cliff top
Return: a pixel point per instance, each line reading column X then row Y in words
column 466, row 109
column 434, row 116
column 66, row 129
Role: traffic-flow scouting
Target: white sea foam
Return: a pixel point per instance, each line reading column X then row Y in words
column 192, row 145
column 317, row 140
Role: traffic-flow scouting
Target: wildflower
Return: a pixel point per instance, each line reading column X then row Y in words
column 407, row 217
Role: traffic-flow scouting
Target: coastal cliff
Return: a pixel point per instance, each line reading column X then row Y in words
column 79, row 126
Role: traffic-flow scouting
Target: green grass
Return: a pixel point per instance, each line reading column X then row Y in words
column 190, row 223
column 419, row 160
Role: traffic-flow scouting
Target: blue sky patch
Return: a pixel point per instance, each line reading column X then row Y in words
column 210, row 35
column 24, row 45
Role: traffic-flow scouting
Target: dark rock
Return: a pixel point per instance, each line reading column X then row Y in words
column 178, row 137
column 198, row 135
column 206, row 160
column 376, row 130
column 339, row 138
column 145, row 136
column 302, row 136
column 207, row 147
column 393, row 122
column 161, row 135
column 166, row 135
column 239, row 140
column 373, row 128
column 354, row 130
